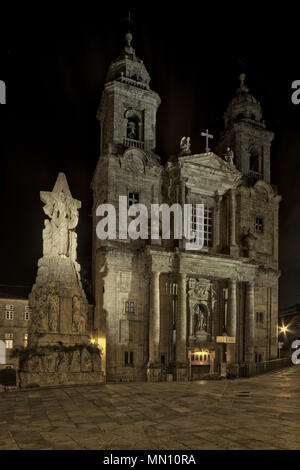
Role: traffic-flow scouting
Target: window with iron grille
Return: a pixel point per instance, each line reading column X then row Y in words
column 27, row 312
column 129, row 306
column 128, row 358
column 203, row 225
column 9, row 340
column 133, row 198
column 259, row 224
column 9, row 312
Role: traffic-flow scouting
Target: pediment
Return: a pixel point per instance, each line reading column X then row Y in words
column 209, row 161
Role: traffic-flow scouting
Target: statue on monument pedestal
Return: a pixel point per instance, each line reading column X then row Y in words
column 58, row 235
column 58, row 341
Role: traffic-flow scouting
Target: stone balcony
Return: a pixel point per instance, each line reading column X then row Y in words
column 133, row 143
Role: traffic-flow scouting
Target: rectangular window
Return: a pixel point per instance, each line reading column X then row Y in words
column 129, row 306
column 27, row 312
column 204, row 229
column 9, row 312
column 133, row 198
column 131, row 357
column 9, row 340
column 126, row 358
column 259, row 224
column 25, row 340
column 259, row 317
column 258, row 357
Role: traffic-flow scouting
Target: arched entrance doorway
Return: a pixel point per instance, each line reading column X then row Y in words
column 200, row 363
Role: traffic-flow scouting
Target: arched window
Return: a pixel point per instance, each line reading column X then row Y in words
column 254, row 161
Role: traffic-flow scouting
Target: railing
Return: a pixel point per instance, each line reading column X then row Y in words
column 248, row 370
column 133, row 143
column 256, row 175
column 267, row 366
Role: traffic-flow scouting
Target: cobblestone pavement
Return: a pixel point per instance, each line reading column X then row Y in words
column 257, row 413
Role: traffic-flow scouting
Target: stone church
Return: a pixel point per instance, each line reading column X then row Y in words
column 159, row 308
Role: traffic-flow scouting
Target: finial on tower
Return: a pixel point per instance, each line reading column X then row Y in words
column 242, row 78
column 129, row 20
column 128, row 37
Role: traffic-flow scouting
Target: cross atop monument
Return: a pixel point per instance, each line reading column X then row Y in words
column 129, row 20
column 207, row 137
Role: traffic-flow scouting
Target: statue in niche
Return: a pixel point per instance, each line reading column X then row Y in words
column 185, row 146
column 249, row 242
column 200, row 318
column 59, row 236
column 131, row 129
column 229, row 156
column 53, row 312
column 78, row 315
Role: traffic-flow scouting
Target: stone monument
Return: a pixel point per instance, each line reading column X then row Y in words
column 59, row 349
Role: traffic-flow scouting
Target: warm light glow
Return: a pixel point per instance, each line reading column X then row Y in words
column 102, row 343
column 283, row 329
column 92, row 340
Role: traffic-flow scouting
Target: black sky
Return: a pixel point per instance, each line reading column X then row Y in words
column 54, row 63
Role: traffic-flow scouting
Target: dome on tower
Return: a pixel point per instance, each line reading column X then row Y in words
column 128, row 68
column 243, row 106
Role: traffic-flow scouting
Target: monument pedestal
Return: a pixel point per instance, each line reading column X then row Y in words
column 60, row 366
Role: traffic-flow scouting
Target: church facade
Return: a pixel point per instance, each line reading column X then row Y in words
column 161, row 309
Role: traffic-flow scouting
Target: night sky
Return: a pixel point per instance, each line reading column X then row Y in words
column 54, row 64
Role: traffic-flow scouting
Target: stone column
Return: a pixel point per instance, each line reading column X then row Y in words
column 181, row 321
column 250, row 323
column 231, row 320
column 191, row 332
column 234, row 250
column 154, row 320
column 217, row 223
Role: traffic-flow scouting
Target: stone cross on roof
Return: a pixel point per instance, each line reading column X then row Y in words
column 207, row 136
column 129, row 20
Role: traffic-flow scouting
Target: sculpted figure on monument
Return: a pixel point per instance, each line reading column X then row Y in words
column 43, row 313
column 185, row 146
column 78, row 315
column 53, row 312
column 229, row 156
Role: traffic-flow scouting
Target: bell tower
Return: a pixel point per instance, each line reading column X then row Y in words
column 246, row 134
column 127, row 112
